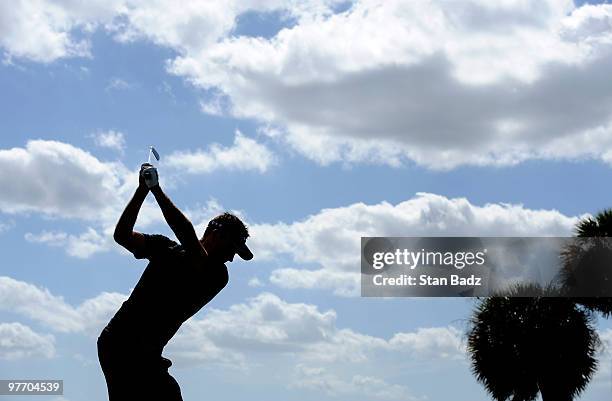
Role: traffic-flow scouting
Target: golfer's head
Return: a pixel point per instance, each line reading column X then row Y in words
column 225, row 236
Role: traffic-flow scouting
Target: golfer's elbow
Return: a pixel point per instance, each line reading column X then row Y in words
column 120, row 237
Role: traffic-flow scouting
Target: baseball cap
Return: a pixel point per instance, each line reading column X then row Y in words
column 243, row 251
column 239, row 240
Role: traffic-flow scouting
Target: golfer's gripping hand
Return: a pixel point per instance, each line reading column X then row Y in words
column 148, row 174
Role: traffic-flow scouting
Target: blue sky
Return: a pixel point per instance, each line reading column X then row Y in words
column 319, row 123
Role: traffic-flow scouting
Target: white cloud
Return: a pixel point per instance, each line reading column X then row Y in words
column 18, row 341
column 201, row 215
column 603, row 374
column 255, row 282
column 264, row 329
column 264, row 323
column 330, row 239
column 268, row 324
column 244, row 154
column 39, row 31
column 268, row 331
column 316, row 378
column 191, row 347
column 59, row 180
column 82, row 246
column 194, row 27
column 6, row 225
column 40, row 305
column 118, row 84
column 606, row 339
column 111, row 139
column 52, row 238
column 214, row 106
column 88, row 243
column 94, row 313
column 44, row 30
column 434, row 342
column 475, row 82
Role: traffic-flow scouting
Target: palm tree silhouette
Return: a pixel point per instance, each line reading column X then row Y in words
column 524, row 343
column 532, row 339
column 586, row 269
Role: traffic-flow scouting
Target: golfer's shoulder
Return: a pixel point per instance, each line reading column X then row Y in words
column 166, row 247
column 155, row 246
column 159, row 240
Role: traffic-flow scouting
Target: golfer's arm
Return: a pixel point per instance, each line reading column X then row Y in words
column 124, row 231
column 179, row 224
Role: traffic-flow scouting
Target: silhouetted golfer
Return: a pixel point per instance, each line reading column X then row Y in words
column 179, row 280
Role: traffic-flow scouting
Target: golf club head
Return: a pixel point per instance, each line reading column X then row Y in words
column 153, row 152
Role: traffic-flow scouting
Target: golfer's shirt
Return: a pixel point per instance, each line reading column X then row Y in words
column 171, row 290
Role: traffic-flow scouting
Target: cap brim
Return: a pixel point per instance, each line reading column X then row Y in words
column 244, row 252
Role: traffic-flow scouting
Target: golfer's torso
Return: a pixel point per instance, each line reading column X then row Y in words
column 169, row 292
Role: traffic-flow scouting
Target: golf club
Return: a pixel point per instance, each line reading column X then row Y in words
column 154, row 153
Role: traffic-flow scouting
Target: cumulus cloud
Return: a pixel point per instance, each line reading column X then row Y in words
column 434, row 342
column 19, row 341
column 45, row 31
column 40, row 305
column 255, row 282
column 39, row 31
column 320, row 379
column 268, row 324
column 48, row 237
column 264, row 323
column 270, row 331
column 111, row 139
column 81, row 246
column 330, row 239
column 475, row 82
column 244, row 154
column 243, row 336
column 59, row 180
column 214, row 106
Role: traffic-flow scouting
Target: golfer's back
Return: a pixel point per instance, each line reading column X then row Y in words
column 170, row 291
